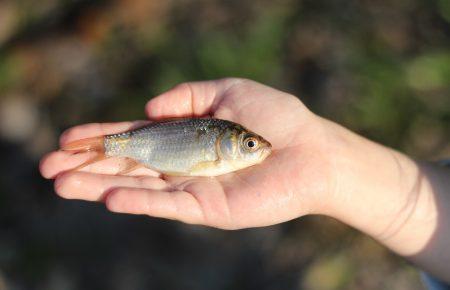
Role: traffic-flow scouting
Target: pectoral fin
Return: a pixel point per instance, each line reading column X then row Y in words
column 205, row 168
column 130, row 165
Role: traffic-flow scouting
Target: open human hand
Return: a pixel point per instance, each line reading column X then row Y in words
column 291, row 182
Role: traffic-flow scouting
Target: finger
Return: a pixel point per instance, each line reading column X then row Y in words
column 98, row 129
column 178, row 205
column 58, row 162
column 188, row 99
column 89, row 186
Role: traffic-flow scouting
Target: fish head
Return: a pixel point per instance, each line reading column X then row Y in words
column 242, row 148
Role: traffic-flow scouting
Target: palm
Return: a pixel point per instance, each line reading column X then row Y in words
column 283, row 187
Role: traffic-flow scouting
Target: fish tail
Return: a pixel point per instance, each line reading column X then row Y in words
column 85, row 145
column 95, row 144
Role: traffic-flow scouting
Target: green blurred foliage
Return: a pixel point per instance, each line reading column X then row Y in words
column 254, row 52
column 10, row 72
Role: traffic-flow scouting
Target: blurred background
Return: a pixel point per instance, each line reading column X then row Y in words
column 381, row 68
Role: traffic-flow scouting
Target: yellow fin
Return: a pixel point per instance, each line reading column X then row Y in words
column 202, row 168
column 130, row 165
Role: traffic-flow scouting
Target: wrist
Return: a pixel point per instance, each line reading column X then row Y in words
column 380, row 192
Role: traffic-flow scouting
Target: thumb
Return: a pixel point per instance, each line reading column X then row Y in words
column 191, row 99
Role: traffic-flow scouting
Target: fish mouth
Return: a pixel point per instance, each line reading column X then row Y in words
column 266, row 152
column 268, row 145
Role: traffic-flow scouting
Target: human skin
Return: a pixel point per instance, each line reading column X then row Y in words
column 316, row 167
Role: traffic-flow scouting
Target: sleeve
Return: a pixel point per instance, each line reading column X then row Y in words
column 430, row 282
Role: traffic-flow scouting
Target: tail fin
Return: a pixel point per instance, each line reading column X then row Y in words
column 85, row 145
column 95, row 144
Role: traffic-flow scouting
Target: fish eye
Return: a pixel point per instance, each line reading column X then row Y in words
column 251, row 143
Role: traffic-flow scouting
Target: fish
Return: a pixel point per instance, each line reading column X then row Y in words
column 180, row 147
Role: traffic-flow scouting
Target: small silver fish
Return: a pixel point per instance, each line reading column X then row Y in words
column 184, row 147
